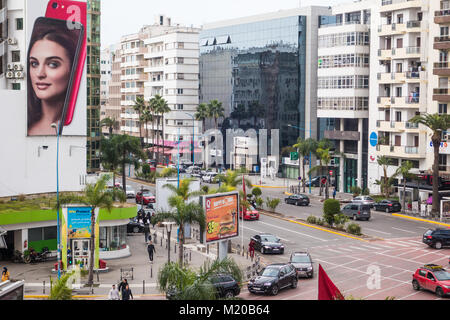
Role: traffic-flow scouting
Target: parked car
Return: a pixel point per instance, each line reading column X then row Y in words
column 388, row 206
column 433, row 278
column 250, row 214
column 268, row 243
column 357, row 211
column 364, row 200
column 273, row 278
column 226, row 287
column 146, row 195
column 303, row 264
column 209, row 177
column 315, row 182
column 130, row 192
column 135, row 226
column 437, row 238
column 297, row 199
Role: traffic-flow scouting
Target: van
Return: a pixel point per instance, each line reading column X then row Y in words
column 357, row 211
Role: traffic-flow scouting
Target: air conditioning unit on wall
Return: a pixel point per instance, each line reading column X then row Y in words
column 12, row 41
column 18, row 67
column 18, row 74
column 10, row 66
column 9, row 75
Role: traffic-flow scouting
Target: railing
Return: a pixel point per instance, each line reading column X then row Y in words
column 413, row 24
column 442, row 13
column 412, row 74
column 410, row 125
column 412, row 150
column 386, row 2
column 412, row 99
column 412, row 50
column 442, row 39
column 351, row 108
column 441, row 91
column 441, row 65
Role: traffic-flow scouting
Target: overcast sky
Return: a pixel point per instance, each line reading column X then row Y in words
column 121, row 17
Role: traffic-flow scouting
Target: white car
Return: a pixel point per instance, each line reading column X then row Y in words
column 130, row 192
column 209, row 177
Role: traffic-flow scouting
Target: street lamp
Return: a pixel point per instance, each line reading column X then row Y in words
column 193, row 131
column 168, row 225
column 56, row 126
column 310, row 159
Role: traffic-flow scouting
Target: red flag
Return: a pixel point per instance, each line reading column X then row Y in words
column 327, row 289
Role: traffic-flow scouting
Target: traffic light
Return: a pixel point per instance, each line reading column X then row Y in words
column 331, row 172
column 294, row 155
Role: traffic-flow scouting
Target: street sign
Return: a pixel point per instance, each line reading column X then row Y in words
column 324, row 180
column 331, row 172
column 294, row 155
column 299, row 178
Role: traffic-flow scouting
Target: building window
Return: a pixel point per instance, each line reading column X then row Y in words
column 442, row 108
column 15, row 56
column 19, row 24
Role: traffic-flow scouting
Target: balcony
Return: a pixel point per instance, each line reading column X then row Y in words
column 408, row 152
column 441, row 94
column 342, row 135
column 441, row 43
column 399, row 53
column 442, row 16
column 393, row 5
column 347, row 112
column 441, row 69
column 394, row 77
column 384, row 102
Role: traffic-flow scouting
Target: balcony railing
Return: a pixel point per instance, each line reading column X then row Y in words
column 442, row 39
column 410, row 125
column 441, row 65
column 441, row 91
column 413, row 75
column 442, row 13
column 413, row 24
column 411, row 150
column 412, row 50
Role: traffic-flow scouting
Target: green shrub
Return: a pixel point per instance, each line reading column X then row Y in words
column 340, row 220
column 311, row 219
column 320, row 222
column 205, row 189
column 60, row 290
column 354, row 228
column 331, row 207
column 256, row 192
column 168, row 172
column 259, row 202
column 272, row 203
column 355, row 190
column 366, row 192
column 146, row 169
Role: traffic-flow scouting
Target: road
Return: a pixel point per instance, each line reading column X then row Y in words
column 369, row 269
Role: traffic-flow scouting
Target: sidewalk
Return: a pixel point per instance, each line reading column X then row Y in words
column 143, row 282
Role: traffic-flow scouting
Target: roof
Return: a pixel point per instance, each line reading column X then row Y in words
column 433, row 267
column 278, row 265
column 300, row 252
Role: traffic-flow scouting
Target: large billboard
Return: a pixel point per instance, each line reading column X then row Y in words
column 56, row 79
column 221, row 212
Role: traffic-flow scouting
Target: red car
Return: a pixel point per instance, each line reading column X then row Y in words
column 250, row 214
column 147, row 195
column 433, row 278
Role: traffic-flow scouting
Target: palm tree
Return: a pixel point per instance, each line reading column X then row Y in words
column 139, row 105
column 215, row 111
column 325, row 158
column 304, row 149
column 318, row 152
column 129, row 151
column 185, row 212
column 437, row 123
column 255, row 111
column 404, row 171
column 111, row 123
column 96, row 196
column 384, row 162
column 161, row 108
column 109, row 156
column 230, row 180
column 201, row 115
column 146, row 117
column 239, row 113
column 191, row 285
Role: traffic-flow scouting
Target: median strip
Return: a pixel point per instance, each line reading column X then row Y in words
column 421, row 220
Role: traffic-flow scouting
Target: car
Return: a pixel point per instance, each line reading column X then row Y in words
column 364, row 200
column 303, row 264
column 130, row 192
column 209, row 177
column 357, row 211
column 134, row 226
column 315, row 182
column 273, row 278
column 432, row 277
column 268, row 243
column 388, row 206
column 297, row 199
column 226, row 287
column 437, row 238
column 145, row 196
column 250, row 214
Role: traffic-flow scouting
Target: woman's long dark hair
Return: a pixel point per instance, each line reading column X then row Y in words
column 56, row 31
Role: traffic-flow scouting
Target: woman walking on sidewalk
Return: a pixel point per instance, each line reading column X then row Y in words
column 126, row 293
column 251, row 248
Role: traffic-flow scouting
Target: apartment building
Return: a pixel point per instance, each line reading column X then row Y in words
column 344, row 50
column 401, row 90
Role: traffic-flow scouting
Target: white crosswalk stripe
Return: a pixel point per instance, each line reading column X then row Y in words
column 399, row 244
column 372, row 247
column 335, row 251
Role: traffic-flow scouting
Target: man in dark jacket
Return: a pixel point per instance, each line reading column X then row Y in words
column 122, row 286
column 146, row 232
column 150, row 250
column 126, row 293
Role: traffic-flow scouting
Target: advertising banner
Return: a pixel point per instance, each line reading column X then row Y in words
column 55, row 67
column 445, row 209
column 221, row 212
column 78, row 222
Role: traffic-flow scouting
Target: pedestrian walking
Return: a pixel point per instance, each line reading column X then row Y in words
column 113, row 293
column 5, row 274
column 122, row 286
column 146, row 232
column 251, row 248
column 334, row 193
column 126, row 293
column 150, row 250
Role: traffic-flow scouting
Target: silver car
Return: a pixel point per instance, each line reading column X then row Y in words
column 357, row 211
column 364, row 200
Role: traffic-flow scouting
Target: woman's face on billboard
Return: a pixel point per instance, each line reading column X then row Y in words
column 49, row 70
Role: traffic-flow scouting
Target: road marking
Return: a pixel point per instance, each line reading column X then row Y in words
column 340, row 252
column 322, row 229
column 403, row 230
column 371, row 247
column 357, row 248
column 303, row 234
column 346, row 249
column 421, row 220
column 402, row 244
column 375, row 230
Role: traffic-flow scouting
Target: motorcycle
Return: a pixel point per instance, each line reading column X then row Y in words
column 34, row 256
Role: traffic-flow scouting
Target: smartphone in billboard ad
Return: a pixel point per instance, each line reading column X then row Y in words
column 54, row 73
column 221, row 212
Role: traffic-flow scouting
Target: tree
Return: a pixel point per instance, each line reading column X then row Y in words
column 437, row 123
column 129, row 151
column 272, row 204
column 201, row 115
column 162, row 108
column 230, row 180
column 152, row 107
column 139, row 106
column 384, row 162
column 185, row 212
column 190, row 285
column 95, row 196
column 146, row 117
column 60, row 290
column 331, row 208
column 404, row 171
column 111, row 123
column 239, row 113
column 304, row 148
column 109, row 156
column 215, row 111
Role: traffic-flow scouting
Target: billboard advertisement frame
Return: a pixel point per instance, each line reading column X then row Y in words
column 221, row 215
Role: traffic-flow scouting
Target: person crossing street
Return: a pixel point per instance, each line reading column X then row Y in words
column 150, row 250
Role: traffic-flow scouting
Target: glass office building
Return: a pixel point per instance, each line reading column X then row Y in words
column 257, row 70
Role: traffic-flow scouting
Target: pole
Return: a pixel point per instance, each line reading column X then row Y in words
column 178, row 164
column 57, row 202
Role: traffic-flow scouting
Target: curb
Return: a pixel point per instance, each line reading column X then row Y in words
column 420, row 219
column 273, row 187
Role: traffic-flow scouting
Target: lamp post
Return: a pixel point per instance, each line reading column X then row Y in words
column 193, row 132
column 168, row 225
column 56, row 126
column 310, row 159
column 178, row 162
